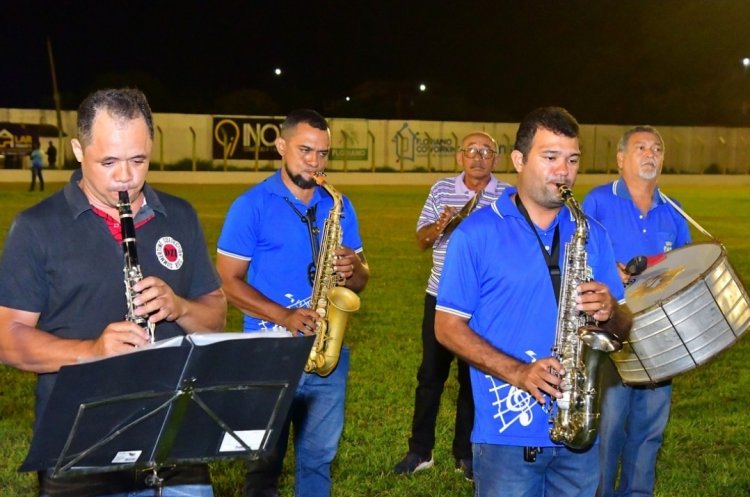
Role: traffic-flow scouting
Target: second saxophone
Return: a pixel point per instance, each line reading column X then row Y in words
column 580, row 345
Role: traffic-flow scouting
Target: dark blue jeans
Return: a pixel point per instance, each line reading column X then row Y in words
column 631, row 432
column 501, row 471
column 317, row 417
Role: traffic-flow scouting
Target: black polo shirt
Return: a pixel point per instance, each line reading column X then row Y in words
column 61, row 261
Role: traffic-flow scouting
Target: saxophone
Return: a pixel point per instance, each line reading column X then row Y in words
column 332, row 301
column 132, row 268
column 467, row 209
column 580, row 345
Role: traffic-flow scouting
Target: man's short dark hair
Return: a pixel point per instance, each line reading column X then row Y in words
column 555, row 119
column 127, row 103
column 304, row 116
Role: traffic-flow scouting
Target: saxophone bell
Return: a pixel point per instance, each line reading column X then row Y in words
column 599, row 339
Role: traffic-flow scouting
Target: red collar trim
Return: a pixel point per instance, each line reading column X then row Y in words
column 113, row 225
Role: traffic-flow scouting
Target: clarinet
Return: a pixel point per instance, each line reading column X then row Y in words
column 131, row 268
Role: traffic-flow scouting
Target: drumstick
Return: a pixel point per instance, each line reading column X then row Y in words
column 639, row 263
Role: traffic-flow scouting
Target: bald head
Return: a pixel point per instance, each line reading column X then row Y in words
column 477, row 157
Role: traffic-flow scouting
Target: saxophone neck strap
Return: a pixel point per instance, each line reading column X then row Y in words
column 308, row 218
column 552, row 257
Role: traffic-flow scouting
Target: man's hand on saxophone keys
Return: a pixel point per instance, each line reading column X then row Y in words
column 595, row 300
column 539, row 378
column 345, row 263
column 352, row 268
column 300, row 320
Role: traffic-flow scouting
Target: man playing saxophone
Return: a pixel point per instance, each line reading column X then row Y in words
column 267, row 256
column 497, row 309
column 62, row 298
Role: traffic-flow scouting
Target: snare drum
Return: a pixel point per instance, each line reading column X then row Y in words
column 686, row 309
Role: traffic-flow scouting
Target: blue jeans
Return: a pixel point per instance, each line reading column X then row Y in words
column 171, row 491
column 317, row 415
column 631, row 432
column 501, row 471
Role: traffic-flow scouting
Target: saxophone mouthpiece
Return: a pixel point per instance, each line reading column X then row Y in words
column 319, row 178
column 565, row 191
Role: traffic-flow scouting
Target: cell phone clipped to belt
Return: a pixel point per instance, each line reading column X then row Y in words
column 529, row 453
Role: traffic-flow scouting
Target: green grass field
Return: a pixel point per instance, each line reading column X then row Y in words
column 707, row 447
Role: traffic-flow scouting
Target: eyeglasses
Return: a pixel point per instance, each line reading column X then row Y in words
column 474, row 152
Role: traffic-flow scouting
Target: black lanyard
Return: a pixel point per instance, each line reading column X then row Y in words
column 550, row 258
column 309, row 219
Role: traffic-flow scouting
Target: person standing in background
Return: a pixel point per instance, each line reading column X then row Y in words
column 449, row 201
column 640, row 222
column 37, row 163
column 51, row 155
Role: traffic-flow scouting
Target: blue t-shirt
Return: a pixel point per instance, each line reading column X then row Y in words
column 263, row 228
column 496, row 277
column 660, row 230
column 37, row 158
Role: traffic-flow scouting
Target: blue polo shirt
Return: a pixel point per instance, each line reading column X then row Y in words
column 658, row 231
column 496, row 277
column 263, row 228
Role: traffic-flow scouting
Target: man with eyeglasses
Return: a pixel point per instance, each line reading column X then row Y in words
column 449, row 201
column 266, row 256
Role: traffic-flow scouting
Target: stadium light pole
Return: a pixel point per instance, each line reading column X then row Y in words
column 56, row 98
column 745, row 66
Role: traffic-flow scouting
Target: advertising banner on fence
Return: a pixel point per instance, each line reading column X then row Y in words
column 248, row 138
column 245, row 138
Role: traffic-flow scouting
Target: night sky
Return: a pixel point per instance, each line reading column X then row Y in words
column 675, row 62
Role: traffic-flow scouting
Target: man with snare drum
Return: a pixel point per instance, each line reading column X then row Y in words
column 640, row 222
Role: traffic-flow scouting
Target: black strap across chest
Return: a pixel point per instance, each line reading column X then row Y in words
column 552, row 257
column 308, row 219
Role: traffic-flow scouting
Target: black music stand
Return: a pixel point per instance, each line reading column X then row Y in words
column 197, row 399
